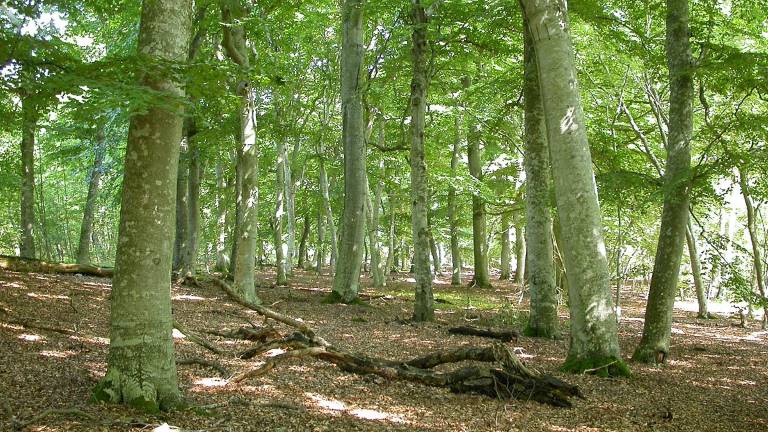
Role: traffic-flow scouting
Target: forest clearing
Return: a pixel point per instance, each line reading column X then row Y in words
column 444, row 215
column 715, row 383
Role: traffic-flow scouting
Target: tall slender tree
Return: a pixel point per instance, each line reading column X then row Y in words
column 594, row 342
column 657, row 328
column 141, row 366
column 29, row 118
column 346, row 281
column 94, row 180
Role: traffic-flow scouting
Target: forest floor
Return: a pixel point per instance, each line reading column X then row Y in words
column 716, row 380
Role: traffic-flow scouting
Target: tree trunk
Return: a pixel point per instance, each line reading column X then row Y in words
column 182, row 202
column 520, row 249
column 481, row 278
column 346, row 281
column 222, row 219
column 328, row 211
column 506, row 259
column 303, row 242
column 372, row 211
column 424, row 309
column 543, row 320
column 657, row 329
column 757, row 259
column 453, row 217
column 193, row 196
column 28, row 129
column 141, row 366
column 244, row 251
column 698, row 282
column 320, row 247
column 282, row 249
column 594, row 342
column 94, row 178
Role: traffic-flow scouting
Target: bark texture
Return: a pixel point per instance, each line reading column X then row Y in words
column 543, row 320
column 424, row 309
column 594, row 344
column 141, row 366
column 346, row 281
column 657, row 329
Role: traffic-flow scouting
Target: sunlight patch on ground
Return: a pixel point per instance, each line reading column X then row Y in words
column 178, row 335
column 212, row 382
column 57, row 354
column 31, row 337
column 188, row 297
column 47, row 296
column 337, row 406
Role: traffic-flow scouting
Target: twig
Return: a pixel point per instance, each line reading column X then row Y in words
column 586, row 371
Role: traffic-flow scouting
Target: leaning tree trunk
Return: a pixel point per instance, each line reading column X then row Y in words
column 94, row 179
column 506, row 259
column 346, row 281
column 757, row 259
column 481, row 278
column 594, row 339
column 698, row 282
column 424, row 309
column 141, row 366
column 244, row 253
column 453, row 217
column 542, row 320
column 28, row 128
column 657, row 329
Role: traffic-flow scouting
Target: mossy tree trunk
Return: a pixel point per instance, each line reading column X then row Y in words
column 346, row 281
column 141, row 365
column 424, row 309
column 594, row 341
column 543, row 320
column 657, row 329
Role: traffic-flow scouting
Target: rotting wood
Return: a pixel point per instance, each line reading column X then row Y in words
column 502, row 335
column 27, row 265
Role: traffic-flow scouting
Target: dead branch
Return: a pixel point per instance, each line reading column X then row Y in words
column 206, row 363
column 269, row 313
column 502, row 335
column 27, row 265
column 198, row 340
column 35, row 326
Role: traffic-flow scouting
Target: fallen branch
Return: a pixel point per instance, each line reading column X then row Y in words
column 502, row 335
column 207, row 363
column 35, row 326
column 27, row 265
column 269, row 313
column 198, row 340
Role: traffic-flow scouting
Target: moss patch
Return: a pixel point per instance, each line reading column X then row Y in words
column 609, row 367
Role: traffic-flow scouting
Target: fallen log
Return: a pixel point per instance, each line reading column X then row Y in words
column 27, row 265
column 502, row 335
column 506, row 377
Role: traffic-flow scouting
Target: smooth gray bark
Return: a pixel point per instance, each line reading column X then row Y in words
column 94, row 180
column 320, row 245
column 222, row 219
column 372, row 212
column 594, row 338
column 302, row 255
column 282, row 247
column 424, row 309
column 520, row 257
column 29, row 117
column 182, row 201
column 391, row 252
column 657, row 329
column 246, row 223
column 141, row 366
column 328, row 211
column 346, row 281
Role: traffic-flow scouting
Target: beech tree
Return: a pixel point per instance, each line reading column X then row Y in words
column 141, row 364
